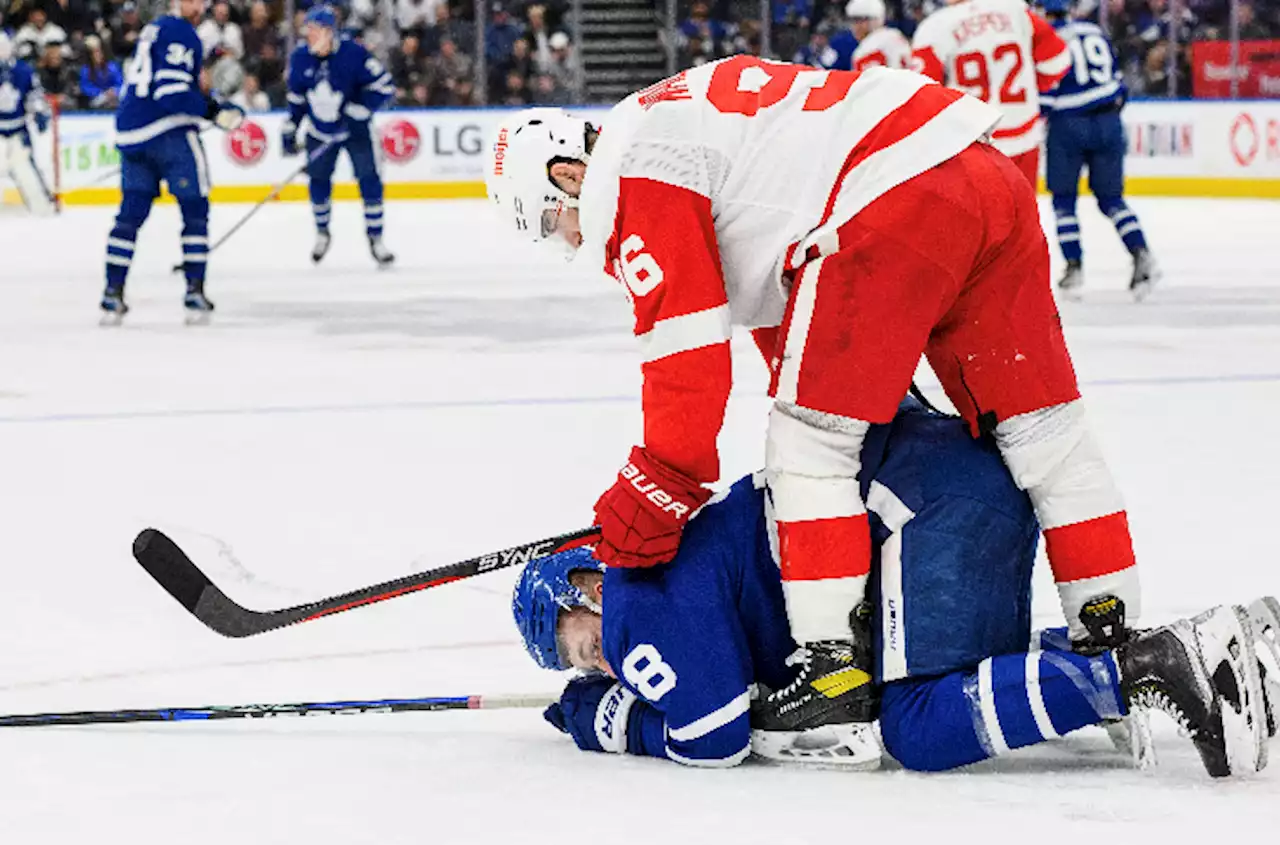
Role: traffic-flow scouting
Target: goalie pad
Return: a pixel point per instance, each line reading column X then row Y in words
column 16, row 160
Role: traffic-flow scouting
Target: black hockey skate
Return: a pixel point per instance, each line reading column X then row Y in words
column 1264, row 616
column 824, row 716
column 321, row 248
column 113, row 307
column 198, row 307
column 1145, row 274
column 380, row 253
column 1203, row 673
column 1104, row 619
column 1072, row 280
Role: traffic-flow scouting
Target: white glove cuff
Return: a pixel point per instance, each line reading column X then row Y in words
column 611, row 719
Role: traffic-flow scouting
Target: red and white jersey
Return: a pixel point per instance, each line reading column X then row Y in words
column 999, row 52
column 703, row 189
column 885, row 46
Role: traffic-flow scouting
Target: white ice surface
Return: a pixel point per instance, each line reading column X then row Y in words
column 337, row 426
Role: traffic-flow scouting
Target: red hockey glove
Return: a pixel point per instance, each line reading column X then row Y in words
column 642, row 514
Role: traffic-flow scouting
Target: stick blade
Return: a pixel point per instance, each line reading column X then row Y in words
column 169, row 565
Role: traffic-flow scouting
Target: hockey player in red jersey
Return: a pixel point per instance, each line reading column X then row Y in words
column 1001, row 53
column 855, row 221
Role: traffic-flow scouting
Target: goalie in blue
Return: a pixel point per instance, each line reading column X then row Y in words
column 1084, row 130
column 21, row 103
column 162, row 108
column 337, row 86
column 673, row 653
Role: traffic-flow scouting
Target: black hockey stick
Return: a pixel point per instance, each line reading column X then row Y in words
column 267, row 711
column 275, row 192
column 183, row 580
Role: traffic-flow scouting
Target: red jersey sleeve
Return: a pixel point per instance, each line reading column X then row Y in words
column 1049, row 53
column 925, row 60
column 664, row 251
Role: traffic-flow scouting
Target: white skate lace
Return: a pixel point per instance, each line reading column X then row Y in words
column 1154, row 699
column 799, row 656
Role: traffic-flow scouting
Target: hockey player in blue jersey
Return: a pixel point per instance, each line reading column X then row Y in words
column 22, row 101
column 1084, row 130
column 337, row 86
column 162, row 109
column 673, row 651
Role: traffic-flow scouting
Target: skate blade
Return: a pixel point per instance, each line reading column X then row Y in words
column 848, row 747
column 1141, row 290
column 1233, row 673
column 1264, row 615
column 1072, row 294
column 110, row 319
column 198, row 318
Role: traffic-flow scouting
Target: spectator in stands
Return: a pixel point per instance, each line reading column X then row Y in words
column 74, row 16
column 818, row 52
column 461, row 32
column 501, row 35
column 539, row 34
column 408, row 66
column 563, row 65
column 416, row 15
column 31, row 40
column 419, row 96
column 453, row 73
column 516, row 93
column 125, row 28
column 518, row 61
column 100, row 80
column 1252, row 29
column 269, row 68
column 56, row 77
column 709, row 34
column 259, row 32
column 548, row 92
column 251, row 97
column 1154, row 81
column 791, row 20
column 220, row 35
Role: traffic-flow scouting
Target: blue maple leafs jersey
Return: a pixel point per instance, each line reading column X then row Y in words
column 348, row 83
column 20, row 95
column 1094, row 80
column 162, row 84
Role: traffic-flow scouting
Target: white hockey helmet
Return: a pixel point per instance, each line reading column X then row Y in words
column 869, row 9
column 6, row 47
column 518, row 177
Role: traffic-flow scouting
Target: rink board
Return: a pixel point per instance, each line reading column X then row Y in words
column 1184, row 148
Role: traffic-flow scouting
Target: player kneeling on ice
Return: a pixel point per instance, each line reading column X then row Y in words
column 21, row 98
column 161, row 110
column 674, row 651
column 856, row 221
column 337, row 86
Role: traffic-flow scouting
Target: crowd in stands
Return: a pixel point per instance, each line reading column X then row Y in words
column 80, row 47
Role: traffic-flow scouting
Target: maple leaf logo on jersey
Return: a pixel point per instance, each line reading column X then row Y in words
column 326, row 103
column 668, row 90
column 8, row 98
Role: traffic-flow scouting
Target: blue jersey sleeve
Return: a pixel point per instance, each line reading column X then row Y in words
column 296, row 97
column 374, row 86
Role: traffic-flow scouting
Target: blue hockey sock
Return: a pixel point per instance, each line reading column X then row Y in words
column 134, row 209
column 1008, row 702
column 321, row 202
column 1064, row 211
column 195, row 240
column 1125, row 221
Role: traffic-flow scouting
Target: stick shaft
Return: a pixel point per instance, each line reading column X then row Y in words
column 173, row 570
column 268, row 711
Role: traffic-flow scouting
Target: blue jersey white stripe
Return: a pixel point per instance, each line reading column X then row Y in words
column 160, row 94
column 1094, row 80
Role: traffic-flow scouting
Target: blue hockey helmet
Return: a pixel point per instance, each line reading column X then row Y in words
column 542, row 591
column 322, row 15
column 1056, row 7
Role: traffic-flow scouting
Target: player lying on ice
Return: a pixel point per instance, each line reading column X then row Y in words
column 860, row 220
column 675, row 650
